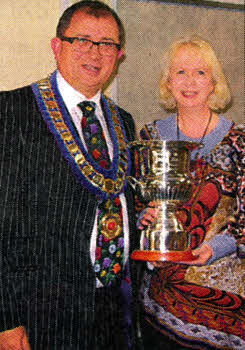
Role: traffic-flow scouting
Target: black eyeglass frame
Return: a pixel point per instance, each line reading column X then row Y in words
column 96, row 43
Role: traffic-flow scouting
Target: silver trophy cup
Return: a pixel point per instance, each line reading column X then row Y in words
column 162, row 176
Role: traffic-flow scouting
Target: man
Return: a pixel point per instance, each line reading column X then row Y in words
column 65, row 205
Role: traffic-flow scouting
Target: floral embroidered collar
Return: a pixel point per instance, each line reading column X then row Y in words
column 105, row 183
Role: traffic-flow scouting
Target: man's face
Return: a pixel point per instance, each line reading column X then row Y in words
column 87, row 72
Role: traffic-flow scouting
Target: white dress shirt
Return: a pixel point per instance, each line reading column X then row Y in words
column 71, row 98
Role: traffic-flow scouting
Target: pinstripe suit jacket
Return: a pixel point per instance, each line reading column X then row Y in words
column 47, row 282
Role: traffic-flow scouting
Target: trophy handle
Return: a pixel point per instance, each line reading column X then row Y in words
column 133, row 182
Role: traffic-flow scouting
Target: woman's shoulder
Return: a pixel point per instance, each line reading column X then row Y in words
column 234, row 140
column 168, row 122
column 158, row 127
column 237, row 129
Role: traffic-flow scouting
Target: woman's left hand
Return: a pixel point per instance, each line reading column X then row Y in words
column 202, row 255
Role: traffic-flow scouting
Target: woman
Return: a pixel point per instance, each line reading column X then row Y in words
column 200, row 305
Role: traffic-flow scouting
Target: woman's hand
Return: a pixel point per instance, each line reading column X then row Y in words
column 149, row 215
column 202, row 255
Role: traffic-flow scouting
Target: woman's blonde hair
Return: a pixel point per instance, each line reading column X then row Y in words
column 221, row 95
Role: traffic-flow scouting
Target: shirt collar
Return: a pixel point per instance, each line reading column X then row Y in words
column 71, row 96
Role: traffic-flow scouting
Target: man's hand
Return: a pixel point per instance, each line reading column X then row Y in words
column 14, row 339
column 148, row 215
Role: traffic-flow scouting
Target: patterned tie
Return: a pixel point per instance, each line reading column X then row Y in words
column 93, row 134
column 110, row 240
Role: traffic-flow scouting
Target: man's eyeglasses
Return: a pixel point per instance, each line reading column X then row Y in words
column 106, row 48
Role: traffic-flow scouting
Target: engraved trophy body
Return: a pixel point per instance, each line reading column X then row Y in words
column 163, row 176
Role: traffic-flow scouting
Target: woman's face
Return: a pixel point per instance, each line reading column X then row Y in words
column 190, row 78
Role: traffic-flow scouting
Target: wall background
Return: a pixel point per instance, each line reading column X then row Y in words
column 26, row 29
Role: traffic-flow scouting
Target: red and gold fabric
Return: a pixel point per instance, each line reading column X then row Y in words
column 203, row 307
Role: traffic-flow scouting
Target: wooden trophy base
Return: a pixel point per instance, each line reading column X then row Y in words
column 155, row 255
